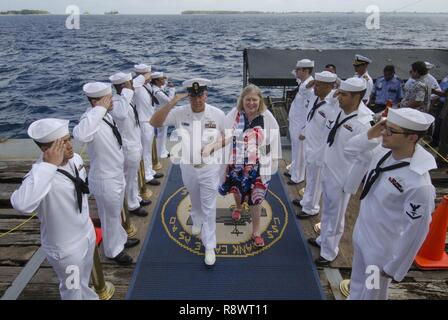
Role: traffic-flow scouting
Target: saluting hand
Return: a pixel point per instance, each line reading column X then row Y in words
column 179, row 96
column 376, row 130
column 207, row 150
column 147, row 77
column 106, row 102
column 310, row 84
column 55, row 154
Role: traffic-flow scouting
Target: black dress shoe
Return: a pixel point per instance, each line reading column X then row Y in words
column 292, row 183
column 158, row 175
column 145, row 203
column 132, row 242
column 287, row 174
column 123, row 259
column 153, row 182
column 139, row 212
column 302, row 215
column 313, row 242
column 296, row 202
column 321, row 262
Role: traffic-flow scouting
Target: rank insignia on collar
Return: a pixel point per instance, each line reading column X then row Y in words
column 328, row 125
column 396, row 184
column 413, row 214
column 348, row 127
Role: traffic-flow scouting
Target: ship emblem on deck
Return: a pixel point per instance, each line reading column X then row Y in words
column 234, row 239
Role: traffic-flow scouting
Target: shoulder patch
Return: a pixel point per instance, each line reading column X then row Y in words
column 414, row 210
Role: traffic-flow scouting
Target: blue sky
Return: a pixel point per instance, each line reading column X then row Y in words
column 176, row 6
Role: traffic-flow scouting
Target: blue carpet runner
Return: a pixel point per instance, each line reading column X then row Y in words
column 170, row 265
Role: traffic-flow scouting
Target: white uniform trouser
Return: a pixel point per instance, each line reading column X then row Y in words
column 109, row 197
column 313, row 190
column 335, row 202
column 147, row 138
column 74, row 270
column 131, row 166
column 297, row 169
column 162, row 134
column 202, row 185
column 362, row 287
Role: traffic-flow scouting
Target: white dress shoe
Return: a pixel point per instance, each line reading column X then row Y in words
column 210, row 257
column 196, row 230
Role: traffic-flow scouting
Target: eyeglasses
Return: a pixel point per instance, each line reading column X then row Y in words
column 390, row 131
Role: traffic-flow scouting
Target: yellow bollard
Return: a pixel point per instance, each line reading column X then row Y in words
column 144, row 190
column 130, row 228
column 317, row 228
column 344, row 287
column 156, row 165
column 104, row 289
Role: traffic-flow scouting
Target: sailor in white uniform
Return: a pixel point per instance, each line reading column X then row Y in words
column 341, row 176
column 199, row 124
column 125, row 113
column 164, row 94
column 323, row 107
column 56, row 188
column 360, row 64
column 297, row 119
column 396, row 202
column 146, row 107
column 98, row 129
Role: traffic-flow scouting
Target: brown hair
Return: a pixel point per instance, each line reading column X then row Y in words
column 251, row 88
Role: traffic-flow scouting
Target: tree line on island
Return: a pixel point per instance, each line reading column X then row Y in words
column 25, row 11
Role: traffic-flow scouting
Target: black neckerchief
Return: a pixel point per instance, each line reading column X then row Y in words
column 315, row 107
column 81, row 186
column 137, row 120
column 375, row 173
column 337, row 124
column 154, row 100
column 115, row 131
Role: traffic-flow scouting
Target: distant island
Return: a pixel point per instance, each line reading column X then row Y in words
column 111, row 12
column 24, row 11
column 299, row 12
column 221, row 12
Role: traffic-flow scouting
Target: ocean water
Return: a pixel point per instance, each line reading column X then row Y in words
column 43, row 65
